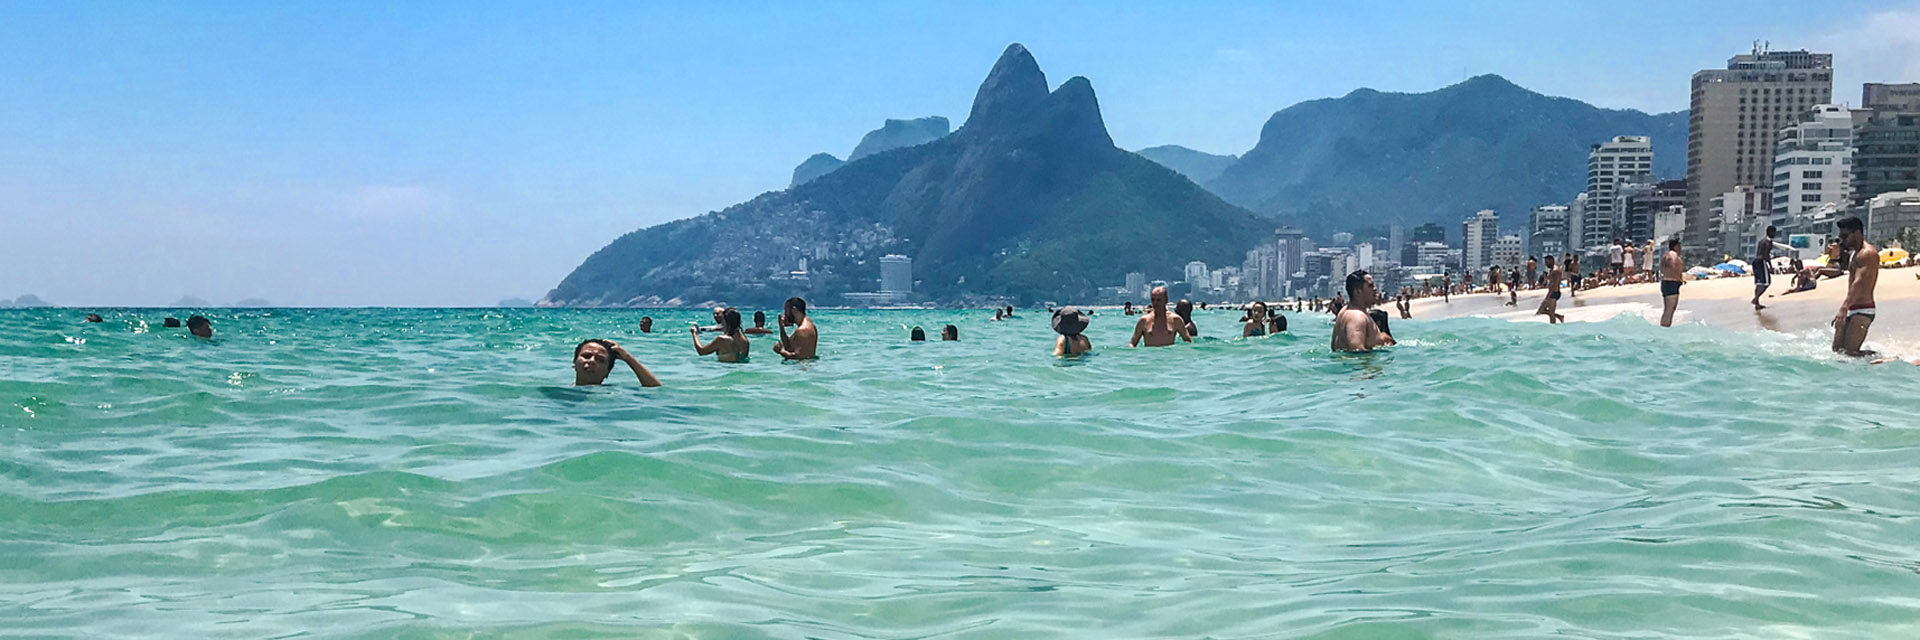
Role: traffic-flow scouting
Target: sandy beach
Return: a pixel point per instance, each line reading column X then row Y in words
column 1720, row 302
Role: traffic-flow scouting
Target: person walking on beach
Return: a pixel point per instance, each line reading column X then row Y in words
column 1632, row 262
column 1551, row 303
column 805, row 339
column 1354, row 329
column 1856, row 311
column 1069, row 322
column 1763, row 265
column 730, row 346
column 593, row 361
column 1617, row 261
column 1574, row 277
column 1159, row 326
column 1533, row 272
column 1671, row 266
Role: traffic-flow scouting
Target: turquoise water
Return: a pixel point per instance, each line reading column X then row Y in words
column 429, row 473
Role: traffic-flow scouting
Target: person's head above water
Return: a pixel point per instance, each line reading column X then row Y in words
column 592, row 361
column 917, row 335
column 950, row 333
column 760, row 319
column 94, row 317
column 646, row 324
column 170, row 322
column 1183, row 308
column 1069, row 321
column 719, row 312
column 1159, row 298
column 796, row 309
column 730, row 321
column 1360, row 290
column 200, row 326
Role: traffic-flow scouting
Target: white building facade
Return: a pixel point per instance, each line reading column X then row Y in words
column 1480, row 231
column 1812, row 165
column 1622, row 159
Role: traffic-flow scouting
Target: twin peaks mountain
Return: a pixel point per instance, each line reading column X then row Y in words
column 1371, row 157
column 1029, row 199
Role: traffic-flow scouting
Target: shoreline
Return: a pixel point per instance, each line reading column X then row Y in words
column 1719, row 302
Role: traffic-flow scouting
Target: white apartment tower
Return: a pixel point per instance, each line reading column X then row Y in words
column 896, row 274
column 1609, row 164
column 1480, row 231
column 1812, row 165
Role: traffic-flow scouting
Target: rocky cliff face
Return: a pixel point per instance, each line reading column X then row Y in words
column 1029, row 199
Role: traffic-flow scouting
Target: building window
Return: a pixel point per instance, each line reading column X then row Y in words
column 1810, row 197
column 1810, row 186
column 1813, row 174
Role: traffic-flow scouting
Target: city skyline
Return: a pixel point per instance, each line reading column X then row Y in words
column 423, row 155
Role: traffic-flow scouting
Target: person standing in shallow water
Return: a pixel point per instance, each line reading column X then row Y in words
column 759, row 327
column 1159, row 326
column 1354, row 329
column 1671, row 267
column 1071, row 324
column 646, row 324
column 593, row 361
column 805, row 340
column 1256, row 321
column 1856, row 310
column 731, row 345
column 1184, row 309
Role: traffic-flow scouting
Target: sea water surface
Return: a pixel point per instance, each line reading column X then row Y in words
column 430, row 473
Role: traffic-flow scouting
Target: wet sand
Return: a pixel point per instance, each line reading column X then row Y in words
column 1721, row 302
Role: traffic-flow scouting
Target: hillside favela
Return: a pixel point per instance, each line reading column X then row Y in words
column 1011, row 320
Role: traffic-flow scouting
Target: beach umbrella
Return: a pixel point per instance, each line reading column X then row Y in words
column 1744, row 265
column 1730, row 267
column 1892, row 256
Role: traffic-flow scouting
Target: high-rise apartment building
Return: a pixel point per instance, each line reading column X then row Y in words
column 1292, row 244
column 1735, row 120
column 1196, row 276
column 896, row 274
column 1480, row 231
column 1888, row 215
column 1410, row 252
column 1739, row 217
column 1136, row 285
column 1812, row 164
column 1886, row 154
column 1624, row 159
column 1892, row 97
column 1547, row 230
column 1506, row 252
column 1637, row 204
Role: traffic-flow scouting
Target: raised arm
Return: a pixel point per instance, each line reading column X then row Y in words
column 639, row 370
column 708, row 348
column 784, row 348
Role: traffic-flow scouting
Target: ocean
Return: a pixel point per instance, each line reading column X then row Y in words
column 431, row 473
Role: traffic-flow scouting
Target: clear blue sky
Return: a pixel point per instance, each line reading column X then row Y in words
column 429, row 153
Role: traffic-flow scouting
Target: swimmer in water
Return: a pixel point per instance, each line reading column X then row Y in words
column 804, row 342
column 593, row 361
column 759, row 327
column 1353, row 328
column 730, row 346
column 200, row 327
column 1070, row 323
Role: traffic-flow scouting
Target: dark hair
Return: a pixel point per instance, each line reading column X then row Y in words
column 170, row 322
column 583, row 344
column 1356, row 280
column 759, row 317
column 1850, row 224
column 1673, row 244
column 797, row 303
column 730, row 321
column 917, row 335
column 1772, row 231
column 950, row 332
column 198, row 321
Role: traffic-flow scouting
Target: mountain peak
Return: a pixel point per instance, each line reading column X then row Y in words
column 1488, row 83
column 1015, row 85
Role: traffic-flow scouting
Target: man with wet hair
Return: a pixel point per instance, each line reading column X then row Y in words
column 1159, row 326
column 593, row 361
column 759, row 327
column 1863, row 272
column 646, row 324
column 804, row 342
column 1354, row 329
column 200, row 327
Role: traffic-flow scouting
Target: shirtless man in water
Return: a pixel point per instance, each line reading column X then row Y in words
column 1158, row 326
column 805, row 339
column 1353, row 329
column 1671, row 267
column 1856, row 311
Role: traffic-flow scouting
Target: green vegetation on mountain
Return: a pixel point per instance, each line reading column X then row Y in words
column 1198, row 166
column 1372, row 157
column 1028, row 200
